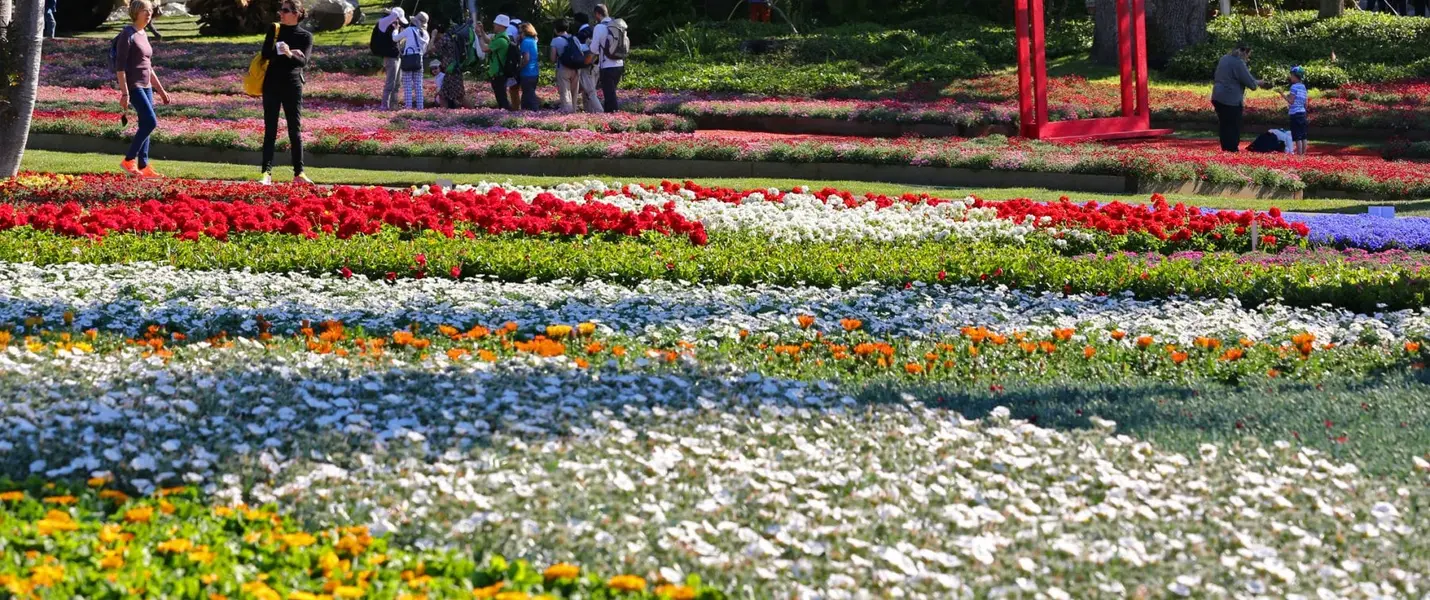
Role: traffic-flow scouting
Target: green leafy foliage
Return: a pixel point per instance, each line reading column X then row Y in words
column 1360, row 47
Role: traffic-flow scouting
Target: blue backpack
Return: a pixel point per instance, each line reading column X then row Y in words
column 114, row 48
column 571, row 56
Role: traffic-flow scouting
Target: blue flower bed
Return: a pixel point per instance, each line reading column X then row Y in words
column 1365, row 231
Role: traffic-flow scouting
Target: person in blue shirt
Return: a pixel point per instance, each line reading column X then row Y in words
column 1296, row 108
column 530, row 68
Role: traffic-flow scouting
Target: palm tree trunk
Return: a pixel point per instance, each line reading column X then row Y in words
column 20, row 38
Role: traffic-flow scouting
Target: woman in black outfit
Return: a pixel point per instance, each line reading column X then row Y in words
column 287, row 54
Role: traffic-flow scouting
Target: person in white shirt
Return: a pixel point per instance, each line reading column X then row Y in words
column 411, row 40
column 612, row 69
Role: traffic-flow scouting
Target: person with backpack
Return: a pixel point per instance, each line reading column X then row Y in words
column 612, row 45
column 412, row 42
column 587, row 93
column 287, row 50
column 503, row 58
column 570, row 61
column 383, row 44
column 131, row 61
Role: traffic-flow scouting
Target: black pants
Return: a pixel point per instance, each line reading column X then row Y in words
column 289, row 97
column 610, row 80
column 499, row 90
column 1229, row 120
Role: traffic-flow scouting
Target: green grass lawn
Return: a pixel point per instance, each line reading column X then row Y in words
column 78, row 163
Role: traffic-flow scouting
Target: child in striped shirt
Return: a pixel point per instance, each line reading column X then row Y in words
column 1296, row 107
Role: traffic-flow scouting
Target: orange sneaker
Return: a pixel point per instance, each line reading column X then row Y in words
column 148, row 173
column 131, row 167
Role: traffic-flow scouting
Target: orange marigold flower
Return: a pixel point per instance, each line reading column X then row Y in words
column 627, row 583
column 1118, row 334
column 913, row 368
column 1246, row 343
column 1047, row 347
column 1179, row 357
column 490, row 591
column 851, row 324
column 805, row 321
column 1064, row 335
column 448, row 331
column 402, row 338
column 1028, row 347
column 1412, row 347
column 1233, row 354
column 299, row 540
column 486, row 355
column 561, row 571
column 457, row 353
column 1088, row 352
column 142, row 514
column 175, row 546
column 1273, row 373
column 12, row 496
column 1144, row 341
column 60, row 500
column 676, row 592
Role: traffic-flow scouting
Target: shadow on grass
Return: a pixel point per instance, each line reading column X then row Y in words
column 1378, row 423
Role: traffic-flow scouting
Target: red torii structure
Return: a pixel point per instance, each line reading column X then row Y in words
column 1136, row 119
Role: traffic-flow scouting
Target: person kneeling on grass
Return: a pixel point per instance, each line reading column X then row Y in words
column 1296, row 108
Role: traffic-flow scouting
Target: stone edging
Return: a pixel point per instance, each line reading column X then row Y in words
column 677, row 169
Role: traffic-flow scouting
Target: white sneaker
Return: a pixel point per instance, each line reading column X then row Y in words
column 301, row 179
column 266, row 179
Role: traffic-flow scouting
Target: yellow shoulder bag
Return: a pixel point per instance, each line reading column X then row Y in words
column 257, row 69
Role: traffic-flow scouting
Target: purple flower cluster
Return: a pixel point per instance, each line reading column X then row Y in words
column 1365, row 231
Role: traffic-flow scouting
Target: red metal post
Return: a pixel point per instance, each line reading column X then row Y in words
column 1025, row 72
column 1139, row 27
column 1124, row 54
column 1040, row 66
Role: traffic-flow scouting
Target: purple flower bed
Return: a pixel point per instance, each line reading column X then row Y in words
column 1289, row 257
column 1365, row 231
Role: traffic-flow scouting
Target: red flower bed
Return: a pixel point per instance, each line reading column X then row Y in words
column 1159, row 219
column 344, row 212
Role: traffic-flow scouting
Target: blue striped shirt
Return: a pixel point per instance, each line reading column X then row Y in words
column 1298, row 99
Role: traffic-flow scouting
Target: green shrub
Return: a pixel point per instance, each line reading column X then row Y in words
column 1358, row 47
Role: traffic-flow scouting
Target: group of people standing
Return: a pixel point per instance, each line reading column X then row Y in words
column 590, row 59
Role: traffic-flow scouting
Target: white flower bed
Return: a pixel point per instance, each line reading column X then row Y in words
column 769, row 487
column 803, row 217
column 125, row 298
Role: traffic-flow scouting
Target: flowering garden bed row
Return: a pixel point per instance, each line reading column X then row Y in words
column 812, row 401
column 689, row 232
column 1088, row 167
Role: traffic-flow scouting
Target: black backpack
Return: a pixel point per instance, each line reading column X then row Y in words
column 511, row 67
column 1266, row 142
column 381, row 43
column 584, row 34
column 571, row 56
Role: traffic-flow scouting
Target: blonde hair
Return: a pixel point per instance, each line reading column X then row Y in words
column 528, row 30
column 135, row 6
